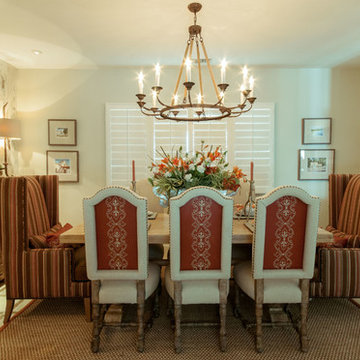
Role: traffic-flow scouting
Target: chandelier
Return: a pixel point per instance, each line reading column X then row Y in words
column 197, row 110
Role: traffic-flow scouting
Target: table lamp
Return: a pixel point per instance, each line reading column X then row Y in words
column 9, row 130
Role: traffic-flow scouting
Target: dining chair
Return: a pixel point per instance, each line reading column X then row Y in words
column 283, row 255
column 144, row 188
column 117, row 259
column 200, row 247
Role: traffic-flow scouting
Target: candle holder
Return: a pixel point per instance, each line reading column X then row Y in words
column 249, row 208
column 133, row 185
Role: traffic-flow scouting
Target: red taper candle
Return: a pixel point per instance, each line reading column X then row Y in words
column 252, row 171
column 133, row 170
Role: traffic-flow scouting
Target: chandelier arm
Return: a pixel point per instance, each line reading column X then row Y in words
column 210, row 70
column 237, row 113
column 163, row 104
column 180, row 73
column 189, row 56
column 147, row 114
column 199, row 69
column 189, row 98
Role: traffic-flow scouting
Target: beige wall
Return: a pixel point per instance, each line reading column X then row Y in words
column 82, row 94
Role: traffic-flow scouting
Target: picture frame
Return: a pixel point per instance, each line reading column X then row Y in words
column 62, row 132
column 316, row 131
column 65, row 164
column 315, row 164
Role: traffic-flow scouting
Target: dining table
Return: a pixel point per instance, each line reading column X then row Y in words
column 159, row 232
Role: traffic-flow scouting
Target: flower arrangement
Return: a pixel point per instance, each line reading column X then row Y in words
column 208, row 167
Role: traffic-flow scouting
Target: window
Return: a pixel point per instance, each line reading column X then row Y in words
column 133, row 136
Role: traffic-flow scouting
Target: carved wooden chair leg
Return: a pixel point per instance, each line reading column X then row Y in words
column 95, row 341
column 304, row 284
column 8, row 310
column 223, row 301
column 259, row 299
column 170, row 306
column 157, row 301
column 87, row 308
column 177, row 308
column 140, row 314
column 237, row 301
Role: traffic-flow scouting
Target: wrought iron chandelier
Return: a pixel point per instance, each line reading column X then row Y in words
column 198, row 110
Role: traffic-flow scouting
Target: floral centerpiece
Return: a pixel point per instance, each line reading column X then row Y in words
column 207, row 167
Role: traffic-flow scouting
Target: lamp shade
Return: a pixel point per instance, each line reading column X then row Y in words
column 10, row 128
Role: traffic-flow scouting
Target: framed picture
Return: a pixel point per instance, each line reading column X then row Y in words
column 316, row 164
column 316, row 131
column 62, row 132
column 63, row 163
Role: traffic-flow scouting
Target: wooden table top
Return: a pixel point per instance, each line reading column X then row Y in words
column 159, row 233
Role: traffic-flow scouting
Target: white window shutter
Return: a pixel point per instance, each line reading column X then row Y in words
column 131, row 135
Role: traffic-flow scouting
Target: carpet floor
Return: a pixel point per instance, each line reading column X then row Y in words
column 56, row 329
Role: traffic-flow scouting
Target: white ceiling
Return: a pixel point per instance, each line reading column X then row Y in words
column 88, row 33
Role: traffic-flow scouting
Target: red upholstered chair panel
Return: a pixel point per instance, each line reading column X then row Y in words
column 349, row 217
column 116, row 234
column 200, row 234
column 38, row 218
column 285, row 233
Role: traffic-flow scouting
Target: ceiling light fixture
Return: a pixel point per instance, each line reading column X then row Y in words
column 201, row 111
column 36, row 52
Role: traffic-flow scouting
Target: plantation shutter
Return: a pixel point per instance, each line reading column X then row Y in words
column 169, row 135
column 211, row 132
column 133, row 136
column 253, row 140
column 127, row 140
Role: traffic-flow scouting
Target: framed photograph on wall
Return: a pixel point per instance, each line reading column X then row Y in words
column 62, row 132
column 316, row 164
column 63, row 163
column 316, row 131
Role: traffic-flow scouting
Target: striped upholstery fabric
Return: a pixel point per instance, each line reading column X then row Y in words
column 337, row 186
column 33, row 273
column 338, row 268
column 37, row 215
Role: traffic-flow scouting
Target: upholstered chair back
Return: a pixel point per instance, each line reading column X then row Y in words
column 285, row 234
column 349, row 216
column 200, row 235
column 116, row 235
column 337, row 186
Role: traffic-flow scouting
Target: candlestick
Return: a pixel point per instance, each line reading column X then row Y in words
column 157, row 74
column 188, row 69
column 133, row 170
column 154, row 98
column 242, row 97
column 176, row 98
column 252, row 171
column 223, row 70
column 141, row 82
column 251, row 85
column 245, row 72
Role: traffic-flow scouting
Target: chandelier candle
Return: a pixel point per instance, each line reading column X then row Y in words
column 201, row 110
column 223, row 70
column 141, row 82
column 157, row 74
column 252, row 171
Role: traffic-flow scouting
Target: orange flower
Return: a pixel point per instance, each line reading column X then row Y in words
column 175, row 161
column 165, row 160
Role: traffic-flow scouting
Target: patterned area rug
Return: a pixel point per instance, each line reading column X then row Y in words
column 56, row 329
